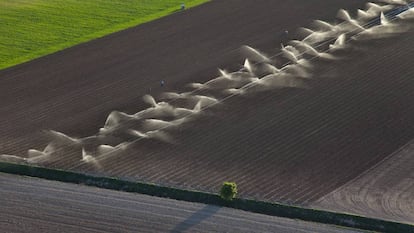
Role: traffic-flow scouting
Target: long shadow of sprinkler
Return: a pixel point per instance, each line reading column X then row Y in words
column 196, row 218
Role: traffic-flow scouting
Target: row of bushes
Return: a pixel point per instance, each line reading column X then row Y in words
column 274, row 209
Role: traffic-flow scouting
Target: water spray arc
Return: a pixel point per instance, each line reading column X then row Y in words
column 258, row 73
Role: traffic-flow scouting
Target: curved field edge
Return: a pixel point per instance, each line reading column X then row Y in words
column 37, row 53
column 274, row 209
column 384, row 191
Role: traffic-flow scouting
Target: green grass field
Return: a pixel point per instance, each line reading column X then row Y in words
column 34, row 28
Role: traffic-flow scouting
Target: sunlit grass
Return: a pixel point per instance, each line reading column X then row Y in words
column 33, row 28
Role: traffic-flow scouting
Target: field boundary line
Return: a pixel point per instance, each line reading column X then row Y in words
column 378, row 164
column 99, row 34
column 261, row 207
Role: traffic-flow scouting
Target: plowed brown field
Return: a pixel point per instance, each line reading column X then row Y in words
column 385, row 191
column 290, row 145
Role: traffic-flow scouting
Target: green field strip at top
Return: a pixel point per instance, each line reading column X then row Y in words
column 33, row 28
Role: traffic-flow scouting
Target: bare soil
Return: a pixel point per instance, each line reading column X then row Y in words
column 385, row 191
column 293, row 146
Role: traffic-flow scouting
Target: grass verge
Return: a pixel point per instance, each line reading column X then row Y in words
column 268, row 208
column 34, row 28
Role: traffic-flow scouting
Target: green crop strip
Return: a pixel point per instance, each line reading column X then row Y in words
column 34, row 28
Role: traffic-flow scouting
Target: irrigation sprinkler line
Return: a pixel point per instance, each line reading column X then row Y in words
column 254, row 83
column 328, row 41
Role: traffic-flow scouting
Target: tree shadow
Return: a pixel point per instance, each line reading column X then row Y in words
column 196, row 218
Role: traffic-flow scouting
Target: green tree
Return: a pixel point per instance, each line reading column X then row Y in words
column 228, row 191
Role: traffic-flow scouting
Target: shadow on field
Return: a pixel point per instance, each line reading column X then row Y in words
column 196, row 218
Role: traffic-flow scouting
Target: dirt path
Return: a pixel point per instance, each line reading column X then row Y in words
column 30, row 204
